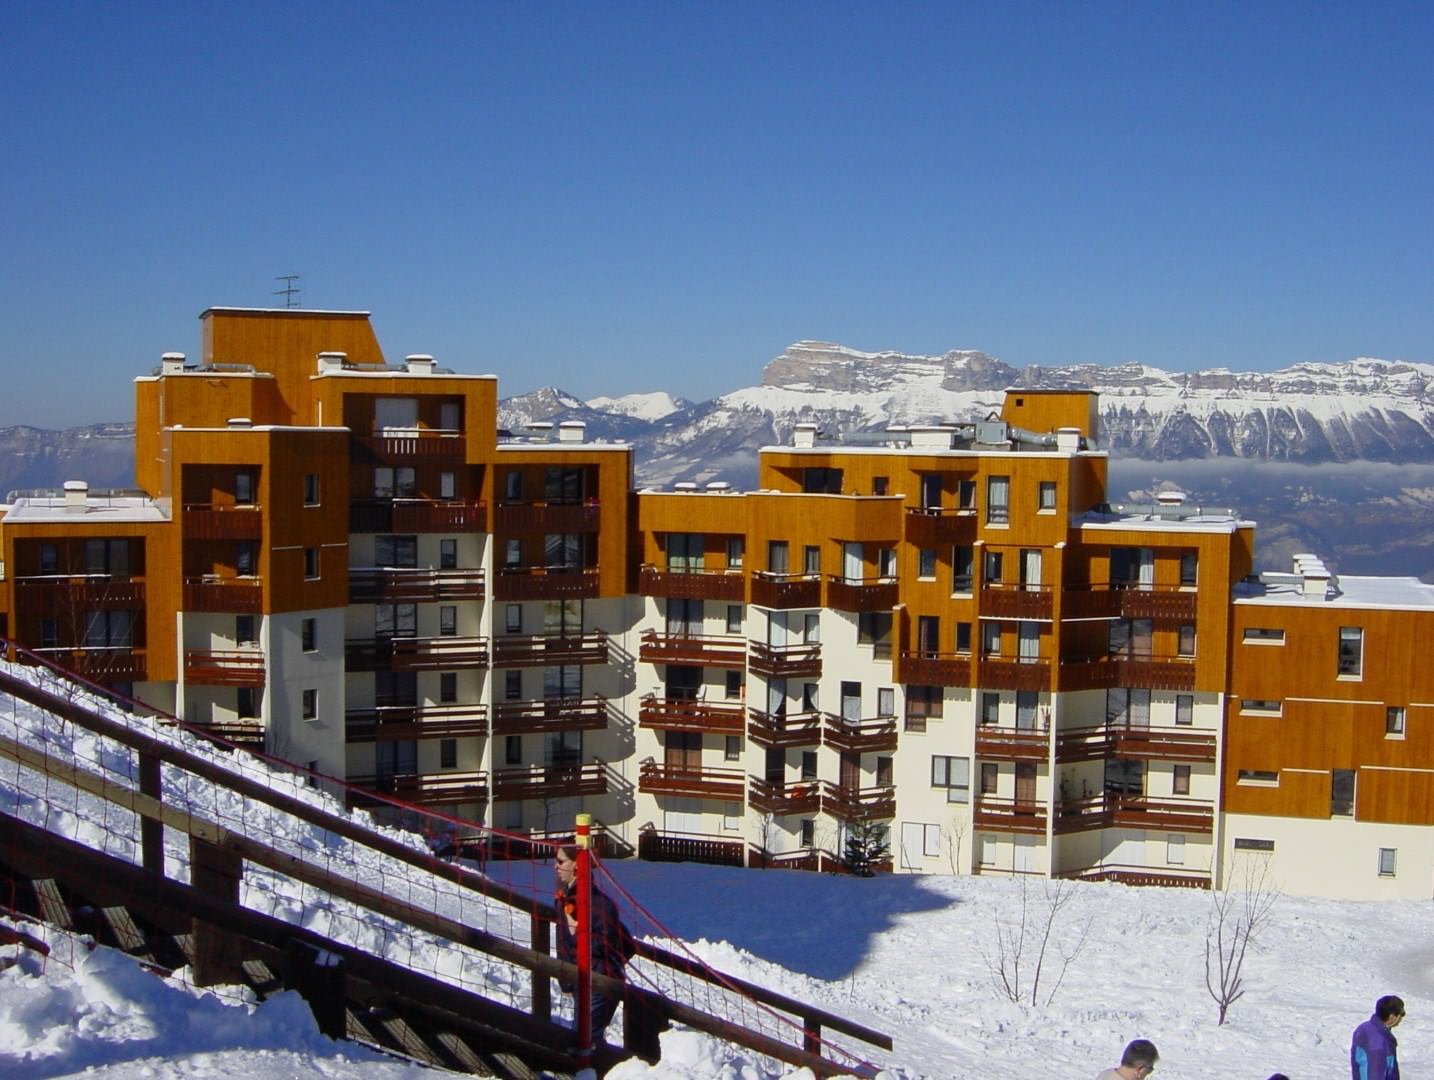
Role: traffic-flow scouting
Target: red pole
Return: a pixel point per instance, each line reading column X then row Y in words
column 584, row 999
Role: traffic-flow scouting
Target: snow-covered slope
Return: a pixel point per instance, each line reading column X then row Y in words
column 652, row 406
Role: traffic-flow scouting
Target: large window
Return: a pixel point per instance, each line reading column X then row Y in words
column 394, row 483
column 998, row 500
column 777, row 556
column 685, row 552
column 963, row 563
column 953, row 774
column 1341, row 793
column 922, row 702
column 398, row 551
column 1351, row 652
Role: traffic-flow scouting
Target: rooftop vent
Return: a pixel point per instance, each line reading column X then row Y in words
column 77, row 495
column 1315, row 576
column 419, row 364
column 1170, row 497
column 240, row 422
column 804, row 435
column 172, row 363
column 572, row 431
column 684, row 485
column 937, row 437
column 719, row 485
column 332, row 361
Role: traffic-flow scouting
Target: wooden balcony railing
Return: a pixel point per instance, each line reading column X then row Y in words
column 656, row 778
column 542, row 650
column 1135, row 741
column 1148, row 672
column 1129, row 874
column 704, row 650
column 669, row 846
column 1134, row 812
column 798, row 797
column 106, row 665
column 1008, row 815
column 75, row 594
column 868, row 594
column 785, row 661
column 934, row 527
column 547, row 517
column 205, row 521
column 1013, row 674
column 786, row 590
column 1128, row 600
column 545, row 583
column 693, row 584
column 926, row 668
column 423, row 789
column 384, row 723
column 417, row 516
column 690, row 714
column 556, row 714
column 783, row 731
column 550, row 781
column 211, row 592
column 1000, row 601
column 224, row 667
column 403, row 585
column 416, row 654
column 413, row 445
column 859, row 804
column 1089, row 602
column 246, row 733
column 871, row 736
column 1012, row 744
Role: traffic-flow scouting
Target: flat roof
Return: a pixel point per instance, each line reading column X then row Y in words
column 98, row 510
column 1287, row 590
column 282, row 311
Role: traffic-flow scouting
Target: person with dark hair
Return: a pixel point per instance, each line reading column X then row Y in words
column 612, row 945
column 1136, row 1063
column 1373, row 1050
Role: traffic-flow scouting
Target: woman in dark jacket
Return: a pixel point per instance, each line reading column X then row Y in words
column 612, row 945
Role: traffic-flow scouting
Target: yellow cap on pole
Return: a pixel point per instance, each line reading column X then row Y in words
column 584, row 828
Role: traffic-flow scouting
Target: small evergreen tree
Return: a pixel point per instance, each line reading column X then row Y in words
column 866, row 845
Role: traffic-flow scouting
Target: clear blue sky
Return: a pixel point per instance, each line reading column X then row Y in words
column 615, row 197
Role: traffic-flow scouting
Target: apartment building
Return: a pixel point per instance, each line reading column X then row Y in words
column 945, row 631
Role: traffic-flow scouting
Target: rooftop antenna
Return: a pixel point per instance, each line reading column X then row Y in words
column 288, row 292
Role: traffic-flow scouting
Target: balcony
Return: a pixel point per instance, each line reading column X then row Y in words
column 408, row 446
column 859, row 804
column 103, row 665
column 782, row 731
column 555, row 714
column 550, row 781
column 404, row 585
column 417, row 516
column 384, row 723
column 1135, row 812
column 786, row 591
column 1128, row 874
column 1029, row 602
column 670, row 846
column 1014, row 674
column 798, row 797
column 1171, row 605
column 214, row 593
column 1012, row 744
column 1143, row 672
column 702, row 650
column 422, row 789
column 873, row 736
column 1135, row 741
column 690, row 714
column 542, row 650
column 933, row 527
column 67, row 594
column 545, row 583
column 1008, row 815
column 926, row 668
column 205, row 521
column 224, row 667
column 1089, row 602
column 728, row 785
column 547, row 517
column 697, row 584
column 416, row 654
column 785, row 661
column 245, row 733
column 861, row 595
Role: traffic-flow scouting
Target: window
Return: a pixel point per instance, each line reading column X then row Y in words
column 733, row 687
column 874, row 628
column 448, row 620
column 883, row 772
column 809, row 764
column 953, row 774
column 966, row 494
column 994, row 566
column 513, row 552
column 309, row 635
column 311, row 489
column 246, row 557
column 1386, row 861
column 811, row 628
column 811, row 560
column 821, row 481
column 448, row 554
column 1184, row 709
column 879, row 485
column 1185, row 640
column 512, row 685
column 736, row 550
column 990, row 639
column 1175, row 850
column 448, row 687
column 49, row 633
column 447, row 485
column 513, row 486
column 998, row 500
column 776, row 556
column 732, row 748
column 1026, row 702
column 246, row 705
column 1351, row 652
column 808, row 832
column 1046, row 496
column 963, row 564
column 1258, row 776
column 990, row 777
column 311, row 704
column 1394, row 722
column 49, row 559
column 686, row 552
column 107, row 557
column 1244, row 843
column 926, row 563
column 886, row 701
column 311, row 563
column 922, row 702
column 734, row 618
column 1180, row 781
column 1261, row 707
column 963, row 638
column 108, row 629
column 1189, row 568
column 244, row 630
column 1341, row 793
column 395, row 620
column 391, row 483
column 931, row 490
column 244, row 488
column 513, row 618
column 1124, row 776
column 395, row 551
column 513, row 750
column 1263, row 635
column 988, row 851
column 990, row 708
column 448, row 753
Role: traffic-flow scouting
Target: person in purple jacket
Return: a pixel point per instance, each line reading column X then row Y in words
column 1372, row 1053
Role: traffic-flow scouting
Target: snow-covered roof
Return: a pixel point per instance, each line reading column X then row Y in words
column 1398, row 593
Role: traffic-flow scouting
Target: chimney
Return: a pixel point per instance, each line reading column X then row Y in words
column 332, row 361
column 572, row 431
column 1315, row 576
column 938, row 438
column 804, row 435
column 172, row 363
column 419, row 364
column 1067, row 440
column 77, row 496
